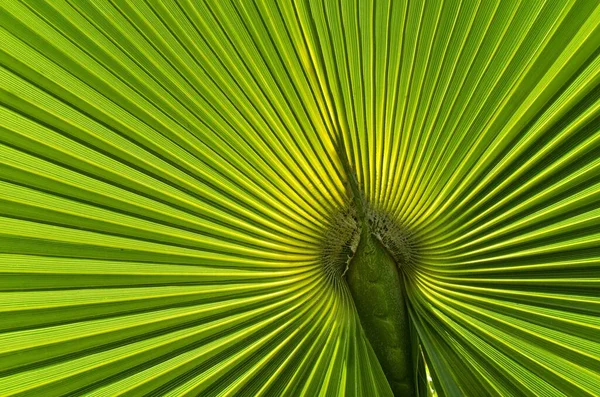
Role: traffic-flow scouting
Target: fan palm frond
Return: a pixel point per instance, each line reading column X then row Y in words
column 183, row 186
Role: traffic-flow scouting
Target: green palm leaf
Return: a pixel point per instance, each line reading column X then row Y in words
column 178, row 181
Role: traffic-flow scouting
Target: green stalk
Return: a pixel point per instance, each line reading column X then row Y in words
column 378, row 292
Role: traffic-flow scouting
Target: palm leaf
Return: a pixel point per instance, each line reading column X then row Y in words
column 171, row 171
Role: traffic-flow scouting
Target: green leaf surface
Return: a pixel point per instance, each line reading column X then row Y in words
column 169, row 170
